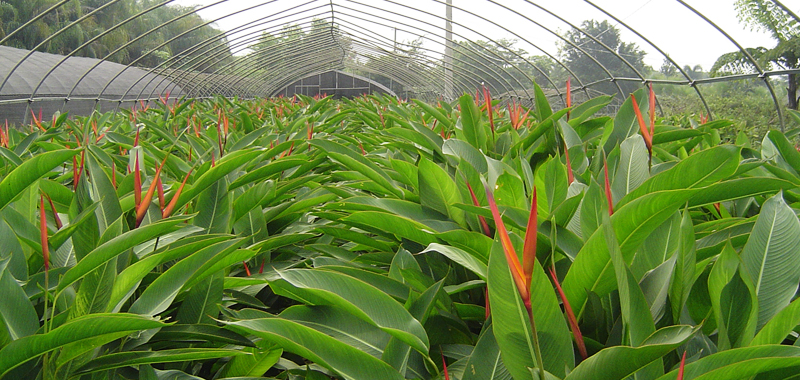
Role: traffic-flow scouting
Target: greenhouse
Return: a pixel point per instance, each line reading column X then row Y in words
column 417, row 189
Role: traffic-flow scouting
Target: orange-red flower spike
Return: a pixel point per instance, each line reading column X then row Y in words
column 570, row 175
column 569, row 96
column 487, row 96
column 652, row 110
column 529, row 248
column 444, row 364
column 648, row 140
column 608, row 188
column 246, row 268
column 511, row 255
column 680, row 369
column 137, row 183
column 55, row 213
column 171, row 206
column 573, row 322
column 475, row 202
column 43, row 234
column 160, row 187
column 142, row 209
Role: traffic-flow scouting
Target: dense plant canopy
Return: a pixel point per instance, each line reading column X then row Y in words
column 302, row 238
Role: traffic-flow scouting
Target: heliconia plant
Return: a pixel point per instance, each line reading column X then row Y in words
column 375, row 261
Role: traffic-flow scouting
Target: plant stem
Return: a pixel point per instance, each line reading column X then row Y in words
column 44, row 317
column 537, row 350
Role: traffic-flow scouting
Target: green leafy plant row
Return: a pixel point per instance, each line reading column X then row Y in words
column 372, row 238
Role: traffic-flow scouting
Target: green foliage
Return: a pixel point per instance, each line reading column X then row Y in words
column 352, row 239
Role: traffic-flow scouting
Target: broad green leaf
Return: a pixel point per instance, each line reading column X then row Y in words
column 14, row 184
column 474, row 263
column 699, row 170
column 349, row 362
column 625, row 124
column 360, row 299
column 254, row 365
column 780, row 326
column 225, row 166
column 772, row 257
column 200, row 333
column 438, row 191
column 471, row 155
column 16, row 312
column 619, row 362
column 116, row 246
column 201, row 302
column 636, row 317
column 391, row 224
column 94, row 325
column 131, row 276
column 135, row 358
column 512, row 326
column 355, row 161
column 214, row 206
column 341, row 325
column 471, row 123
column 399, row 354
column 158, row 296
column 633, row 168
column 742, row 363
column 686, row 260
column 733, row 301
column 592, row 269
column 486, row 362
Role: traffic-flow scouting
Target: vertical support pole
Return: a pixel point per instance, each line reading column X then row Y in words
column 448, row 52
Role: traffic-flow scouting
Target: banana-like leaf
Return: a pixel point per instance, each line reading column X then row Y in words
column 772, row 257
column 742, row 363
column 135, row 358
column 486, row 362
column 349, row 362
column 619, row 362
column 17, row 314
column 512, row 327
column 15, row 182
column 358, row 298
column 22, row 350
column 116, row 246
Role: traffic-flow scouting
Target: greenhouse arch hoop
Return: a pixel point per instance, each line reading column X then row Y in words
column 427, row 49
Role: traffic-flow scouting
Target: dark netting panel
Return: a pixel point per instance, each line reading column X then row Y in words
column 427, row 49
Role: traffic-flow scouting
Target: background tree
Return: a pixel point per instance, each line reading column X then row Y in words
column 500, row 65
column 588, row 70
column 768, row 17
column 105, row 17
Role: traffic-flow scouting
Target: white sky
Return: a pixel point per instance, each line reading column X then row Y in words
column 670, row 25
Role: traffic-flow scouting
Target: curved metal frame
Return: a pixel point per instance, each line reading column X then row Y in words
column 345, row 18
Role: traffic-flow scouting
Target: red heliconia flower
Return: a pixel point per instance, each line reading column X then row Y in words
column 680, row 369
column 652, row 110
column 141, row 210
column 137, row 182
column 43, row 235
column 246, row 268
column 517, row 272
column 569, row 96
column 515, row 115
column 608, row 188
column 38, row 121
column 570, row 175
column 55, row 213
column 487, row 96
column 648, row 138
column 114, row 174
column 261, row 268
column 529, row 247
column 363, row 152
column 444, row 364
column 486, row 297
column 160, row 188
column 475, row 202
column 573, row 322
column 171, row 206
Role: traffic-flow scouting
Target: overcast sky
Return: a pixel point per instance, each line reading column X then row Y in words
column 667, row 24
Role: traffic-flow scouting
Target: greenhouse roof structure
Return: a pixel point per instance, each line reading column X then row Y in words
column 427, row 49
